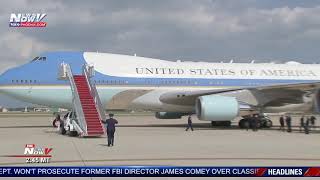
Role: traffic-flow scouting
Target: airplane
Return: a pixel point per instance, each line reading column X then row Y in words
column 215, row 92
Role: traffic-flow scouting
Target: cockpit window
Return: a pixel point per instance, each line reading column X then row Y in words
column 36, row 58
column 40, row 58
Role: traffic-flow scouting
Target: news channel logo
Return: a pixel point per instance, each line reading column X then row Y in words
column 27, row 20
column 35, row 154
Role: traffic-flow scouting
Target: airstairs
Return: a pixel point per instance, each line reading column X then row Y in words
column 86, row 102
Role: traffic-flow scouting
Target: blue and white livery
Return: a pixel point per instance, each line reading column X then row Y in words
column 214, row 91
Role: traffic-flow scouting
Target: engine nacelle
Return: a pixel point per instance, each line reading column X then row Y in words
column 169, row 115
column 217, row 108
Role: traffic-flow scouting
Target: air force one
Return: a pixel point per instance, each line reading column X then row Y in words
column 216, row 92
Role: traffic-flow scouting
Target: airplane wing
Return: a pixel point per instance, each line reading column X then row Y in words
column 273, row 95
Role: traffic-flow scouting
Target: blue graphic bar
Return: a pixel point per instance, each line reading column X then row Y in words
column 158, row 171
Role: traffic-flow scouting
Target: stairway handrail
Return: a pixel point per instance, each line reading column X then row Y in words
column 94, row 94
column 76, row 101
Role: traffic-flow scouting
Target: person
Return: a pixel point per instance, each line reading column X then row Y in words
column 189, row 123
column 111, row 129
column 306, row 126
column 255, row 121
column 248, row 123
column 288, row 122
column 56, row 120
column 61, row 123
column 301, row 123
column 313, row 121
column 281, row 120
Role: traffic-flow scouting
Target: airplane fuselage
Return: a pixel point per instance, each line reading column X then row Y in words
column 130, row 82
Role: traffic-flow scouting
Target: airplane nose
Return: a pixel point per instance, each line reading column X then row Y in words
column 2, row 82
column 6, row 78
column 1, row 79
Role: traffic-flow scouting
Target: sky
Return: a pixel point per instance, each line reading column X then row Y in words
column 193, row 30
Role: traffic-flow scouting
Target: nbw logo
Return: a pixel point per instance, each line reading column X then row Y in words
column 27, row 20
column 26, row 17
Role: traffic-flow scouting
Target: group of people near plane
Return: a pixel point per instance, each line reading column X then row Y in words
column 306, row 122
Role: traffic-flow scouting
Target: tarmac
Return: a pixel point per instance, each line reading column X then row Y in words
column 145, row 140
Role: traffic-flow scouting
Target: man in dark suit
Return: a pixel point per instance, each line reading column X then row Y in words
column 288, row 122
column 281, row 120
column 189, row 123
column 111, row 128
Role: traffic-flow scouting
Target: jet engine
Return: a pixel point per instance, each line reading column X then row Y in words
column 217, row 108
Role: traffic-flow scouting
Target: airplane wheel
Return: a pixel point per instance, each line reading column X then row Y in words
column 73, row 133
column 268, row 124
column 244, row 124
column 240, row 123
column 62, row 131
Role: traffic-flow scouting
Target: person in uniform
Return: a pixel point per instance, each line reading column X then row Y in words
column 189, row 123
column 281, row 120
column 248, row 123
column 111, row 129
column 313, row 121
column 288, row 122
column 306, row 126
column 255, row 121
column 301, row 123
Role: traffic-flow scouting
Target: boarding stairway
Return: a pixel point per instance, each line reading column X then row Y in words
column 85, row 100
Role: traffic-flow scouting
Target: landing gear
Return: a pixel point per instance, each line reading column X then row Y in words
column 221, row 123
column 71, row 133
column 263, row 122
column 267, row 123
column 244, row 123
